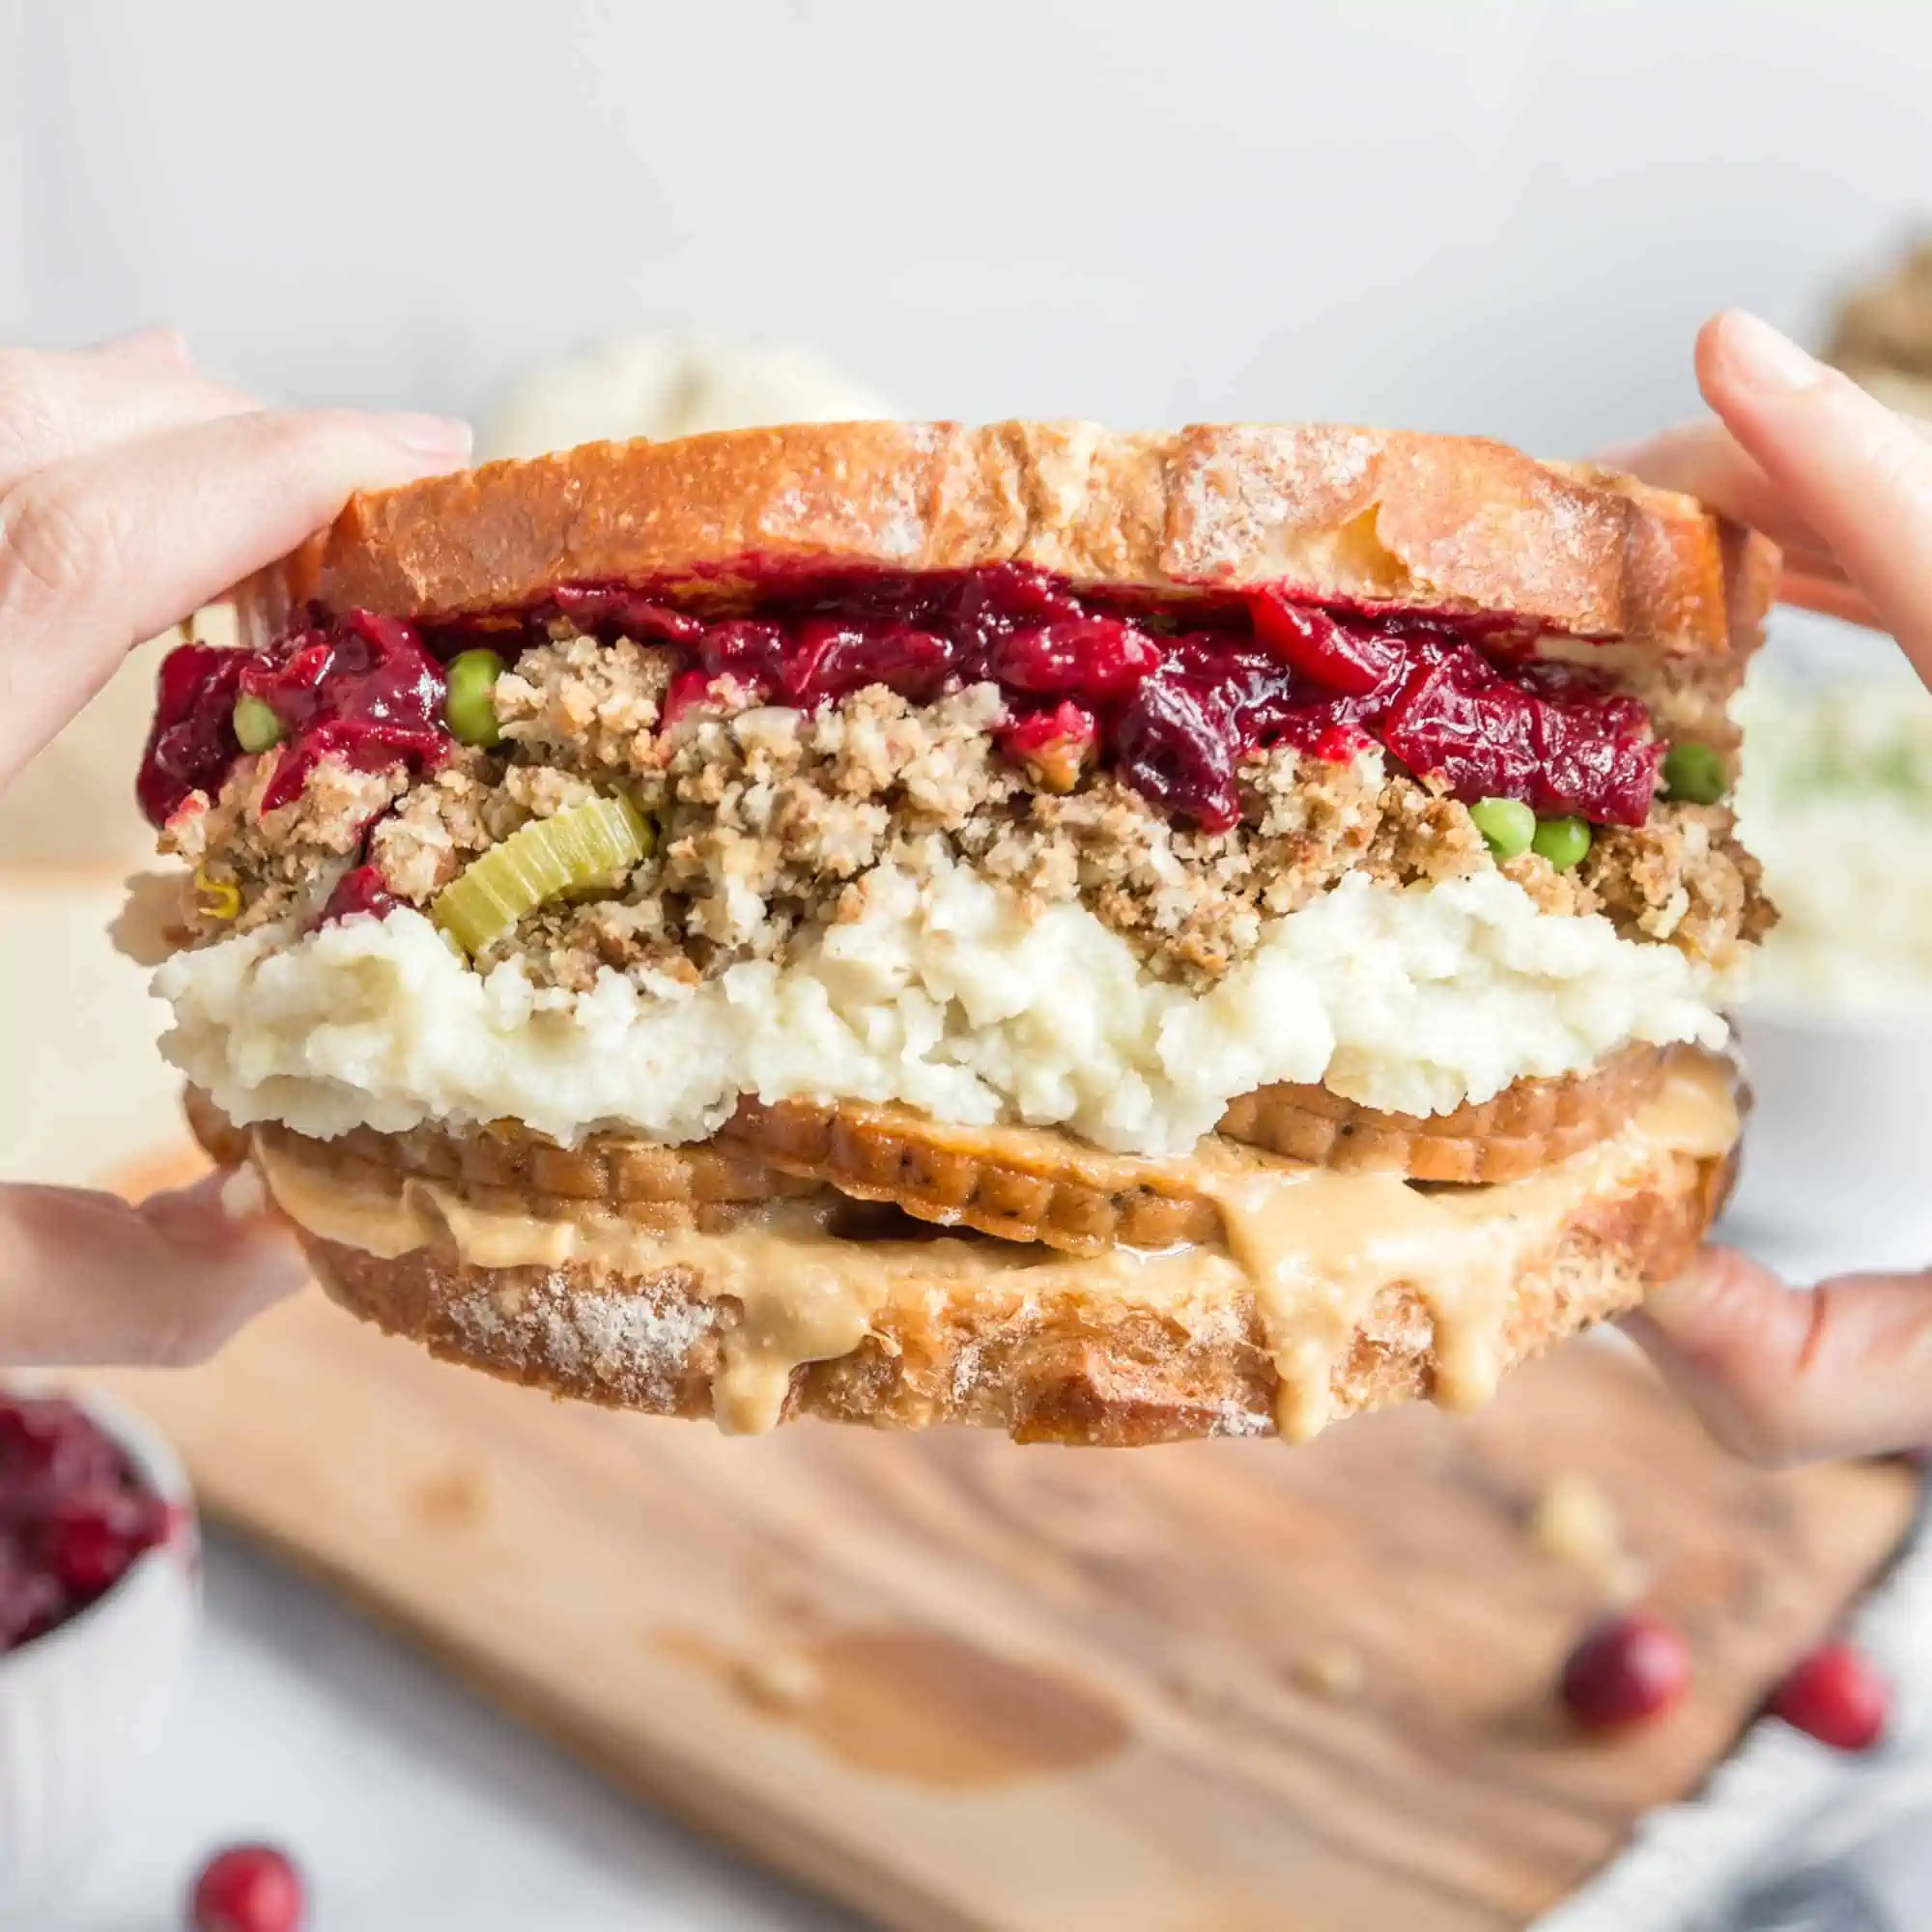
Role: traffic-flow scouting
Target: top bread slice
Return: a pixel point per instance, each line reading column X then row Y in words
column 1372, row 517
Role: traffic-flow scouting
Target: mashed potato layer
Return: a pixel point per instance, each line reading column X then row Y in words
column 944, row 993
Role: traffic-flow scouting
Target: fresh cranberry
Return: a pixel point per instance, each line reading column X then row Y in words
column 1836, row 1696
column 1176, row 747
column 248, row 1889
column 1626, row 1669
column 359, row 890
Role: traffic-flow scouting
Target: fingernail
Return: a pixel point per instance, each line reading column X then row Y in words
column 1765, row 358
column 429, row 436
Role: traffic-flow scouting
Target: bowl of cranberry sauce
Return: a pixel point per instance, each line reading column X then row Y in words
column 99, row 1587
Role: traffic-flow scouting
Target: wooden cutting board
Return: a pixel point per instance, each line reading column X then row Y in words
column 962, row 1685
column 959, row 1684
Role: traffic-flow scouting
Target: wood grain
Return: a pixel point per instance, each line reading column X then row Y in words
column 962, row 1685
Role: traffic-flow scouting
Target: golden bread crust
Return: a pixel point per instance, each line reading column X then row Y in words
column 1377, row 517
column 1092, row 1370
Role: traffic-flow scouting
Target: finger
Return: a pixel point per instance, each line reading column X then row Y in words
column 1851, row 469
column 1800, row 561
column 159, row 347
column 1704, row 459
column 88, row 1279
column 1784, row 1374
column 54, row 407
column 104, row 549
column 1830, row 596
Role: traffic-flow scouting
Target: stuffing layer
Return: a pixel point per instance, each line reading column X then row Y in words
column 770, row 819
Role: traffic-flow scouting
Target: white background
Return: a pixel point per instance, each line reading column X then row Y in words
column 1504, row 217
column 1496, row 217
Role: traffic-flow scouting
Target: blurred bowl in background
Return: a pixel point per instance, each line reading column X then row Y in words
column 83, row 1703
column 1836, row 801
column 1837, row 1164
column 661, row 386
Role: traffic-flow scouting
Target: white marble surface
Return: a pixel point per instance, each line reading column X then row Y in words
column 411, row 1804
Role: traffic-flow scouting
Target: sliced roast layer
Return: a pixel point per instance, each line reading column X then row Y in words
column 1021, row 1184
column 1529, row 1126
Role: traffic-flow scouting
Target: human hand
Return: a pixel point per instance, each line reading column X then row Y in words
column 1845, row 485
column 133, row 491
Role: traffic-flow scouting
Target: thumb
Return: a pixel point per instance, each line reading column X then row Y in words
column 1786, row 1374
column 85, row 1278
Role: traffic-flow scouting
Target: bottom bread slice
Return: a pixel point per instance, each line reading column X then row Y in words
column 779, row 1317
column 1060, row 1368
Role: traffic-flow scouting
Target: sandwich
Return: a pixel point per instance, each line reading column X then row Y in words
column 1111, row 937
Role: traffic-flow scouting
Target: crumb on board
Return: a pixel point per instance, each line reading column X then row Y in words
column 1331, row 1671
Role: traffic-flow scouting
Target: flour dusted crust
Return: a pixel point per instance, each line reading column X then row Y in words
column 1090, row 1370
column 1367, row 515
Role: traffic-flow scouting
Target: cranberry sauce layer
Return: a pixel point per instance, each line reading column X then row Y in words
column 1169, row 692
column 363, row 687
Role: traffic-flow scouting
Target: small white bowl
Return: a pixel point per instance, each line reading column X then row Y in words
column 80, row 1706
column 1837, row 1172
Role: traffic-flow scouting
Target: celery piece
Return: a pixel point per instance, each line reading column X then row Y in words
column 588, row 847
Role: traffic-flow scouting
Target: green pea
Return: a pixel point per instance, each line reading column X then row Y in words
column 1507, row 825
column 1695, row 773
column 469, row 702
column 1563, row 842
column 256, row 727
